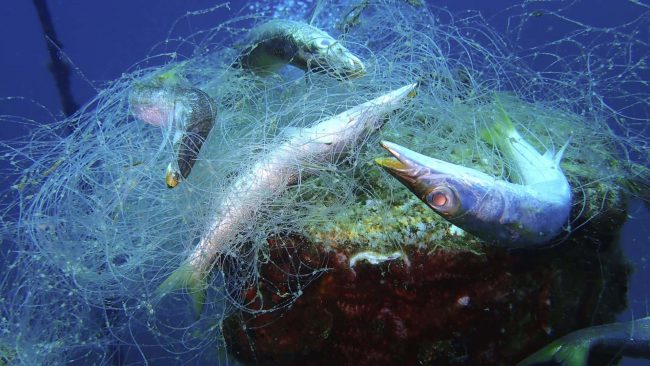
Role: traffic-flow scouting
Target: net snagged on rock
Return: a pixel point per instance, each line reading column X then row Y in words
column 94, row 229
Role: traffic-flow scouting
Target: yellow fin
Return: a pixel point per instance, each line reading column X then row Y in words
column 191, row 280
column 502, row 128
column 171, row 77
column 501, row 134
column 571, row 354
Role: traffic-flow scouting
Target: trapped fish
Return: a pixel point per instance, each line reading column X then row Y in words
column 280, row 42
column 186, row 112
column 268, row 177
column 519, row 215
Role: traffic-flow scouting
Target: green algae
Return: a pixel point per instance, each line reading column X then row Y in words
column 374, row 224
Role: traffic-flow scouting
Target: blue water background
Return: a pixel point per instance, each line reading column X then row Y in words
column 107, row 38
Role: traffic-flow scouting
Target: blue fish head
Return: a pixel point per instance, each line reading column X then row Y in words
column 448, row 189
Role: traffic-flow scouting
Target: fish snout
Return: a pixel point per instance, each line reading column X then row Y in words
column 172, row 177
column 400, row 166
column 339, row 62
column 356, row 68
column 415, row 172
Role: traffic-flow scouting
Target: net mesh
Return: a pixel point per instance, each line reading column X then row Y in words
column 94, row 230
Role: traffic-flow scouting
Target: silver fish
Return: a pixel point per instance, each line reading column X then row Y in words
column 280, row 42
column 326, row 141
column 530, row 213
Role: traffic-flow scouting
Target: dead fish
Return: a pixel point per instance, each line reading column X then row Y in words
column 280, row 42
column 187, row 112
column 529, row 213
column 326, row 141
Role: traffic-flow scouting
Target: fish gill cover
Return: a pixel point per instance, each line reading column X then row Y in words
column 95, row 229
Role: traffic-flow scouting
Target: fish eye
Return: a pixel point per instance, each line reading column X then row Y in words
column 443, row 200
column 323, row 43
column 438, row 199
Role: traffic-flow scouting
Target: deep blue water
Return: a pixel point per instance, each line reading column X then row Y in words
column 105, row 39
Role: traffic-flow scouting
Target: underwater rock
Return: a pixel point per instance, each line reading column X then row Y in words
column 443, row 307
column 446, row 300
column 404, row 286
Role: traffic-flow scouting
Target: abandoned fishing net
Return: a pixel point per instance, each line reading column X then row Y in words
column 99, row 218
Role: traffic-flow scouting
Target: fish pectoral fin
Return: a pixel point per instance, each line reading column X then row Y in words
column 185, row 277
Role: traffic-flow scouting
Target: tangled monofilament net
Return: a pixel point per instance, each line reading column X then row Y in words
column 95, row 230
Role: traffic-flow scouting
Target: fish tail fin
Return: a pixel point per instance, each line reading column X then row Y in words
column 191, row 280
column 572, row 354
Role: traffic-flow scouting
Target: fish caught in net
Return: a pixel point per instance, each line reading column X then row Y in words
column 282, row 241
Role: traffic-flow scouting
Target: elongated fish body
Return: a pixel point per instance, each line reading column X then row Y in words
column 280, row 42
column 630, row 339
column 515, row 215
column 270, row 176
column 187, row 112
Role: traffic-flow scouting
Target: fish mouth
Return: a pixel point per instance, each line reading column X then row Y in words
column 413, row 165
column 337, row 71
column 419, row 173
column 405, row 165
column 433, row 181
column 340, row 65
column 356, row 68
column 391, row 163
column 172, row 177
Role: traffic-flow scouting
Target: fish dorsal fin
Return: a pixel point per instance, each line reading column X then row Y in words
column 560, row 152
column 557, row 157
